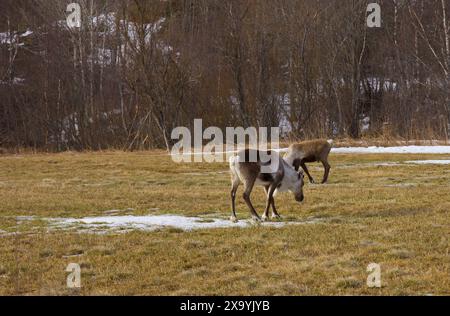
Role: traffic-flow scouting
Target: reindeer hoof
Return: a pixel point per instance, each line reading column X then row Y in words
column 233, row 219
column 265, row 218
column 256, row 220
column 312, row 181
column 276, row 216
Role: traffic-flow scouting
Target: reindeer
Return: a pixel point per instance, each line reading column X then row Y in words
column 282, row 177
column 310, row 151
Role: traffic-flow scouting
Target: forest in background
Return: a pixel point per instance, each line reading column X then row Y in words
column 136, row 69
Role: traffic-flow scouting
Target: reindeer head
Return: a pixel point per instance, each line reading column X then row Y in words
column 297, row 188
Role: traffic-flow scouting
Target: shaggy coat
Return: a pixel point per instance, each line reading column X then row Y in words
column 282, row 177
column 310, row 151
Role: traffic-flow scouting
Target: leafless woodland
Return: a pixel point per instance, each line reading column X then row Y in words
column 136, row 69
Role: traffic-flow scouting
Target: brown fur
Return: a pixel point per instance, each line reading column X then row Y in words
column 310, row 151
column 250, row 175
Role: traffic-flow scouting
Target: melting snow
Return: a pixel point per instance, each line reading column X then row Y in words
column 117, row 224
column 393, row 150
column 360, row 150
column 430, row 162
column 13, row 37
column 152, row 222
column 16, row 81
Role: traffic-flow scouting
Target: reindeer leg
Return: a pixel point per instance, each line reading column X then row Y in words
column 327, row 167
column 275, row 214
column 268, row 203
column 247, row 191
column 235, row 185
column 296, row 164
column 272, row 200
column 302, row 163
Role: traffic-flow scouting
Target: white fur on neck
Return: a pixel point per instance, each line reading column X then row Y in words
column 290, row 178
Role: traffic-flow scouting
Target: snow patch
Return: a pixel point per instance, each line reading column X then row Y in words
column 13, row 37
column 365, row 124
column 429, row 162
column 116, row 224
column 393, row 150
column 360, row 150
column 14, row 81
column 152, row 222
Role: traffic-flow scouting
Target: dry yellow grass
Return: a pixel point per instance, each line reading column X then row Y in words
column 397, row 216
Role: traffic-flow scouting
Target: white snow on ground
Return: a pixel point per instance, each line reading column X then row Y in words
column 13, row 37
column 152, row 222
column 27, row 33
column 15, row 81
column 123, row 224
column 429, row 162
column 393, row 150
column 362, row 150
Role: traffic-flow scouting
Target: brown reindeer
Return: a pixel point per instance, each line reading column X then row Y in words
column 281, row 177
column 310, row 151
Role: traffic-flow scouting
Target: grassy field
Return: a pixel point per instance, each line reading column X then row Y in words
column 395, row 215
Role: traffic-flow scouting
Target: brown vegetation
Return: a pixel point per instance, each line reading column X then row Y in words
column 136, row 69
column 396, row 216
